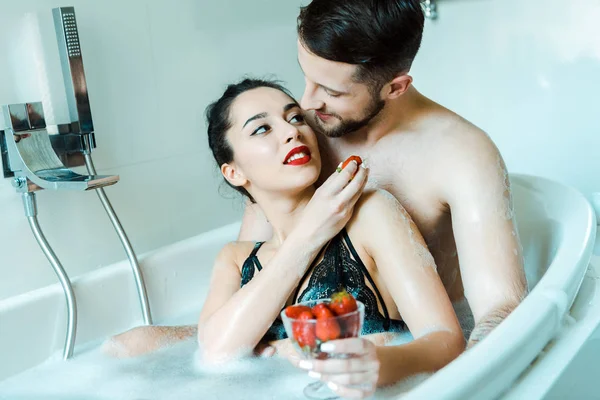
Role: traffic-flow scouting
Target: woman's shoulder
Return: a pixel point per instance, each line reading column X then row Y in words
column 375, row 212
column 377, row 204
column 236, row 252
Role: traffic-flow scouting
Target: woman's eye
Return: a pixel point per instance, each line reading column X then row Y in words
column 260, row 130
column 298, row 119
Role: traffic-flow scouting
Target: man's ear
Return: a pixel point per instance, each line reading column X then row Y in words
column 233, row 174
column 397, row 86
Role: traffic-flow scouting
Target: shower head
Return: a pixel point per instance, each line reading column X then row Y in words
column 65, row 23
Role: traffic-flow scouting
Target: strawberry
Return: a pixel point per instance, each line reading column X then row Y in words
column 348, row 161
column 294, row 311
column 304, row 330
column 342, row 303
column 322, row 310
column 327, row 326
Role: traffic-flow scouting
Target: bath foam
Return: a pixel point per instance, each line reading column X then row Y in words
column 177, row 372
column 507, row 209
column 422, row 252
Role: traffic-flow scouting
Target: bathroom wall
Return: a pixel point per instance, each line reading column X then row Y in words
column 526, row 72
column 151, row 69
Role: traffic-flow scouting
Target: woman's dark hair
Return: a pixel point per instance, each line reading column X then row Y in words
column 382, row 37
column 218, row 117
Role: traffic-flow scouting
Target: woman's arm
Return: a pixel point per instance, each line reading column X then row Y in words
column 391, row 238
column 409, row 270
column 233, row 320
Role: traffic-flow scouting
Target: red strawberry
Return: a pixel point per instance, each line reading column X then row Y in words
column 304, row 331
column 342, row 303
column 294, row 311
column 327, row 326
column 350, row 159
column 321, row 310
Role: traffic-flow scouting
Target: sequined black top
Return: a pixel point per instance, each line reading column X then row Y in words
column 340, row 268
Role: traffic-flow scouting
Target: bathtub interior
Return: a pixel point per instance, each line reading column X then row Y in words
column 557, row 228
column 33, row 324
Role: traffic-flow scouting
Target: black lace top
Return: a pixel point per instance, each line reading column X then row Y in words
column 341, row 267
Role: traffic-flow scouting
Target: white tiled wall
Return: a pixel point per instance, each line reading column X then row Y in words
column 152, row 67
column 526, row 72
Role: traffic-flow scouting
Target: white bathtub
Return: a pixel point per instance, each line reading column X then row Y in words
column 556, row 224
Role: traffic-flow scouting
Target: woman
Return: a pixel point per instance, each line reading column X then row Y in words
column 265, row 150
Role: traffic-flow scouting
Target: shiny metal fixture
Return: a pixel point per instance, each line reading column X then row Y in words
column 430, row 8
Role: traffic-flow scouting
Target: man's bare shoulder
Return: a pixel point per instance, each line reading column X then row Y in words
column 449, row 129
column 466, row 157
column 458, row 144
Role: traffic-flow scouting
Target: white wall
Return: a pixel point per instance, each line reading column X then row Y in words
column 152, row 67
column 526, row 72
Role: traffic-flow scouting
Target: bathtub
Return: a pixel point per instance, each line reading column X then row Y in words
column 557, row 227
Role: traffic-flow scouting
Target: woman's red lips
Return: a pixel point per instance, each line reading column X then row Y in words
column 305, row 156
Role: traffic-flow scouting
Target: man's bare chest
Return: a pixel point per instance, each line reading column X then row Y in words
column 401, row 171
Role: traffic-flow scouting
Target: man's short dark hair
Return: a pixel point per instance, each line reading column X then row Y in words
column 382, row 37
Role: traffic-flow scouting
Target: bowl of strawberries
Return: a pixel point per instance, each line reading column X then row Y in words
column 310, row 324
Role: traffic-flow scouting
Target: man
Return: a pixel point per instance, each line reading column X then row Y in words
column 356, row 57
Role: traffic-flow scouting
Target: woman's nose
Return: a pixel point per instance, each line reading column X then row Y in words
column 292, row 133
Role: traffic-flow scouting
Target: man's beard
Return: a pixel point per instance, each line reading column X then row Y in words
column 348, row 125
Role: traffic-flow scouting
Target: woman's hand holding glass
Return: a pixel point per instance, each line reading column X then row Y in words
column 351, row 372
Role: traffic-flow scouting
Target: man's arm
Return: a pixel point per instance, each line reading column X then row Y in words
column 255, row 227
column 480, row 200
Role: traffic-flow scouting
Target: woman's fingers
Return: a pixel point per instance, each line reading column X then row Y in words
column 339, row 180
column 352, row 192
column 353, row 377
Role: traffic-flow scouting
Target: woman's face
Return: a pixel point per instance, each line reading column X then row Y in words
column 273, row 149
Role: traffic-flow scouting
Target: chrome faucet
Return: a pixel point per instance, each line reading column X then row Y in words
column 430, row 8
column 36, row 160
column 31, row 159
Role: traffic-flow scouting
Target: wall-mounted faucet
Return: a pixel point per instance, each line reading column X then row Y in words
column 31, row 159
column 36, row 160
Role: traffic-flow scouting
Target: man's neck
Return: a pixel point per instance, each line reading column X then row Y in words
column 397, row 115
